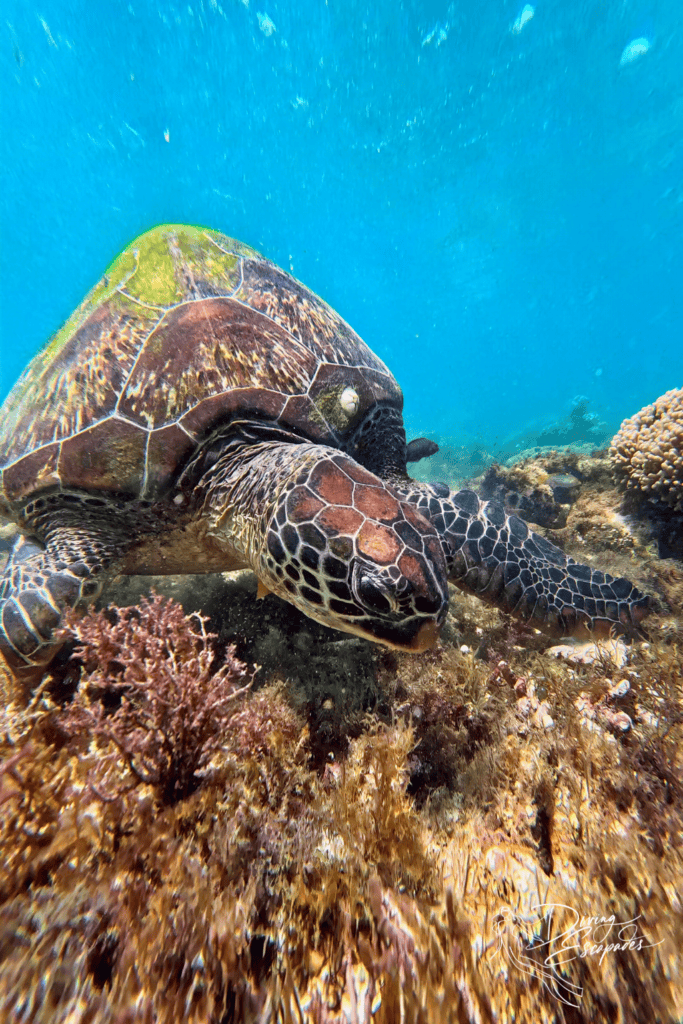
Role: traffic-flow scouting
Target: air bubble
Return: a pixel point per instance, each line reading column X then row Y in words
column 526, row 14
column 635, row 49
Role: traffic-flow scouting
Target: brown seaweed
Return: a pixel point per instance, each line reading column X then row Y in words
column 182, row 843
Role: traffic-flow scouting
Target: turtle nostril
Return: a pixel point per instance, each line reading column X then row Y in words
column 428, row 605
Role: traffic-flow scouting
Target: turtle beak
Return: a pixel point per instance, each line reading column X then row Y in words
column 426, row 636
column 401, row 638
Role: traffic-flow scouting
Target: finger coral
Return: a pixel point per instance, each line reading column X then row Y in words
column 647, row 452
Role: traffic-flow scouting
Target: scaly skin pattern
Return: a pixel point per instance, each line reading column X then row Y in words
column 496, row 557
column 42, row 580
column 202, row 410
column 318, row 529
column 331, row 538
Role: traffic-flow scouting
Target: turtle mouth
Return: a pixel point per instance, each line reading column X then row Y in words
column 387, row 622
column 426, row 636
column 413, row 635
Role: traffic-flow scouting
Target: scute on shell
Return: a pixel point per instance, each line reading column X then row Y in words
column 186, row 329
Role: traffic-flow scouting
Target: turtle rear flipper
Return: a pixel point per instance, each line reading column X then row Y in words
column 39, row 583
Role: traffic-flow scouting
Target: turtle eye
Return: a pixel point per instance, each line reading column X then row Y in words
column 371, row 594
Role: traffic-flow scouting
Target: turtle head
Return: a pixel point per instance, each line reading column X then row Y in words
column 343, row 548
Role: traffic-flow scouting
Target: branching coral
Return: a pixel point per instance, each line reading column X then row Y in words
column 174, row 703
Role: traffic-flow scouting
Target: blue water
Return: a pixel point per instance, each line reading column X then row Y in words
column 498, row 213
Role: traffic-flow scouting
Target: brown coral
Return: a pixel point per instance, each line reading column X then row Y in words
column 647, row 452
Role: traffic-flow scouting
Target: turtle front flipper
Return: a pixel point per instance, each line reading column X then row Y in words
column 496, row 557
column 39, row 583
column 331, row 538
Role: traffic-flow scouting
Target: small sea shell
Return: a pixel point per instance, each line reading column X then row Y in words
column 620, row 689
column 349, row 401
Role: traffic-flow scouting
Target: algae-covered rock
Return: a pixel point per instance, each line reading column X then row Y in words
column 481, row 832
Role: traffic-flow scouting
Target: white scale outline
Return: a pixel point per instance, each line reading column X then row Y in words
column 115, row 414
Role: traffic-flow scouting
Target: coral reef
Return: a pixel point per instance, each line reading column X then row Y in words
column 488, row 831
column 458, row 462
column 647, row 452
column 529, row 490
column 578, row 428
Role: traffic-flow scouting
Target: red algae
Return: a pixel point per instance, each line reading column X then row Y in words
column 349, row 834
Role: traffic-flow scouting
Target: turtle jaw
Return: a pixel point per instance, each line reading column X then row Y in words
column 410, row 636
column 343, row 548
column 426, row 637
column 413, row 638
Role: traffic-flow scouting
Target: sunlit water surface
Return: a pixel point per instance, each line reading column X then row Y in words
column 491, row 193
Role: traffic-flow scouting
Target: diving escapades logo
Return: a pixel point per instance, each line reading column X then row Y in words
column 544, row 955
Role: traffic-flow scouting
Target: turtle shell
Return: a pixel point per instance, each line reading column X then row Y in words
column 186, row 330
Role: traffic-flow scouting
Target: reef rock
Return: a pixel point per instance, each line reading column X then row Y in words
column 480, row 832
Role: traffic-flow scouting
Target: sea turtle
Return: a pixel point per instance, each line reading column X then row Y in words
column 203, row 411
